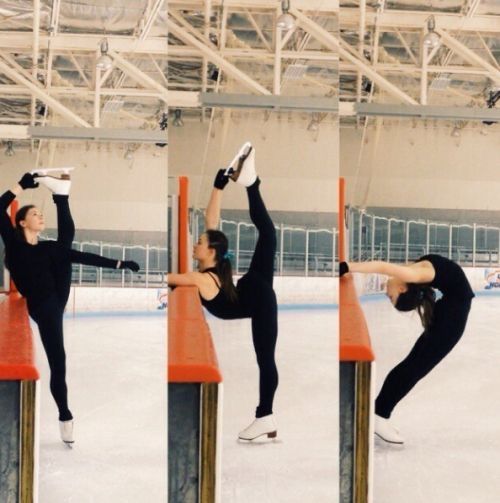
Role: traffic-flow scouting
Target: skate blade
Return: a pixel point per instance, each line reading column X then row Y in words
column 388, row 441
column 69, row 445
column 43, row 172
column 243, row 149
column 241, row 163
column 272, row 435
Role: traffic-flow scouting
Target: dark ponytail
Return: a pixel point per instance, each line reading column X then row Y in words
column 18, row 230
column 217, row 240
column 420, row 297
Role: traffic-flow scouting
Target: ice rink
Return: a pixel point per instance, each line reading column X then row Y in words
column 117, row 397
column 302, row 464
column 449, row 420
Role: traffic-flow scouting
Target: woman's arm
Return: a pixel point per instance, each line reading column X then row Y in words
column 85, row 258
column 185, row 279
column 416, row 273
column 6, row 227
column 212, row 213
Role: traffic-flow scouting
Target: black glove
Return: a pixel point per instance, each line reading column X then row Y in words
column 129, row 264
column 221, row 179
column 28, row 181
column 343, row 268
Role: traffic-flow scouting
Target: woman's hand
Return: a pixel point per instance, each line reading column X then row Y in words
column 343, row 268
column 28, row 182
column 221, row 179
column 129, row 264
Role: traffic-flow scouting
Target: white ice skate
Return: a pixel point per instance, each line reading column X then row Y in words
column 261, row 426
column 386, row 432
column 242, row 167
column 59, row 185
column 66, row 429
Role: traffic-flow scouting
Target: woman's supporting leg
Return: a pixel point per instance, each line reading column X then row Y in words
column 265, row 249
column 431, row 347
column 65, row 236
column 49, row 318
column 264, row 335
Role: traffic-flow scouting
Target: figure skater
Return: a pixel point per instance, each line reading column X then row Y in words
column 253, row 297
column 41, row 271
column 411, row 287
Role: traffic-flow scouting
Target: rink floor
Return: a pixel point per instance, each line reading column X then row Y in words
column 118, row 401
column 301, row 465
column 450, row 420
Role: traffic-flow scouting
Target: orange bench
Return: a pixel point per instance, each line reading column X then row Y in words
column 191, row 353
column 355, row 342
column 17, row 356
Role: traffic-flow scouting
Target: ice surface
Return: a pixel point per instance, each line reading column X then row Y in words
column 450, row 420
column 302, row 464
column 116, row 369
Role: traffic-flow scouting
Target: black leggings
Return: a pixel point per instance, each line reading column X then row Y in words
column 256, row 293
column 49, row 315
column 448, row 325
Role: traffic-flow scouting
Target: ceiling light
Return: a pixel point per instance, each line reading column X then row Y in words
column 313, row 125
column 129, row 154
column 431, row 39
column 178, row 122
column 104, row 62
column 9, row 151
column 285, row 20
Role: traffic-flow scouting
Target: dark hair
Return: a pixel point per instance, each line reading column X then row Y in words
column 18, row 230
column 420, row 297
column 217, row 240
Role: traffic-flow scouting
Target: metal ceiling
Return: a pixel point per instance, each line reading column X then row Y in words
column 48, row 50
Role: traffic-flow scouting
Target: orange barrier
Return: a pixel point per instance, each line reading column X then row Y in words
column 191, row 353
column 355, row 344
column 16, row 345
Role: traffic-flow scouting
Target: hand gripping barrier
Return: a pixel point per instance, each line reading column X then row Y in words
column 18, row 382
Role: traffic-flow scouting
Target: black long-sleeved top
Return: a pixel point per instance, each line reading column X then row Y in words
column 33, row 268
column 450, row 278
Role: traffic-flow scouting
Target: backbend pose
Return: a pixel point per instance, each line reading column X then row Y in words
column 253, row 297
column 410, row 287
column 41, row 271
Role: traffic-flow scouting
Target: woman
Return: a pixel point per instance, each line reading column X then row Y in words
column 410, row 287
column 41, row 271
column 253, row 297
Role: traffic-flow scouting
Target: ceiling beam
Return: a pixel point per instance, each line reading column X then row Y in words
column 401, row 19
column 316, row 6
column 183, row 51
column 215, row 58
column 348, row 53
column 87, row 42
column 469, row 55
column 139, row 76
column 42, row 95
column 422, row 112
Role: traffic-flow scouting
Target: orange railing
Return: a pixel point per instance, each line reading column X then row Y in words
column 355, row 342
column 17, row 360
column 191, row 353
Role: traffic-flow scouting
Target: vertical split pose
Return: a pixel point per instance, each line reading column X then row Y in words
column 41, row 271
column 411, row 287
column 253, row 297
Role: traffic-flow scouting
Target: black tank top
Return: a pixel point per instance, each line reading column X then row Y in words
column 450, row 279
column 221, row 305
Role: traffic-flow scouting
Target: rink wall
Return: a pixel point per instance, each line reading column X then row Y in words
column 482, row 279
column 290, row 291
